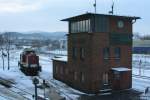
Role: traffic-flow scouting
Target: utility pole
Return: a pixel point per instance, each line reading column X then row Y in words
column 95, row 4
column 112, row 7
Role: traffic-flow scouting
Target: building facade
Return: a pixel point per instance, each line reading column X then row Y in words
column 99, row 53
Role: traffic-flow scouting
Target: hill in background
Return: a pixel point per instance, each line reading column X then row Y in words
column 37, row 35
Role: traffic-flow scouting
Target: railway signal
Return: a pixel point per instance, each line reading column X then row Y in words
column 35, row 82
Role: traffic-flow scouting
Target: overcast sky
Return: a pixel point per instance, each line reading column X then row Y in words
column 45, row 15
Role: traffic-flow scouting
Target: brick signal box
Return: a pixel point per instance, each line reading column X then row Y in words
column 99, row 53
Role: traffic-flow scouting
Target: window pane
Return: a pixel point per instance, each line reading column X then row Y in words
column 117, row 52
column 83, row 24
column 82, row 53
column 89, row 25
column 74, row 53
column 106, row 53
column 80, row 26
column 75, row 75
column 74, row 26
column 82, row 77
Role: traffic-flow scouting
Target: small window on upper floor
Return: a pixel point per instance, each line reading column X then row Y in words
column 106, row 53
column 117, row 53
column 74, row 53
column 82, row 53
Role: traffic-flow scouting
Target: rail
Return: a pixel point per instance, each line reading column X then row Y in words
column 9, row 84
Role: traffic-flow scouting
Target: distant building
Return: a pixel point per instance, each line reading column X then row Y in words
column 99, row 53
column 141, row 46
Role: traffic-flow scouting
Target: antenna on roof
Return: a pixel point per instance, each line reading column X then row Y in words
column 95, row 6
column 112, row 8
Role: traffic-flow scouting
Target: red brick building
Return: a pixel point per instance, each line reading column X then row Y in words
column 99, row 53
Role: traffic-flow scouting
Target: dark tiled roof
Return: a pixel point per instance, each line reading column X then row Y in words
column 89, row 15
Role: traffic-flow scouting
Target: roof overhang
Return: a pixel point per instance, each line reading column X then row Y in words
column 88, row 15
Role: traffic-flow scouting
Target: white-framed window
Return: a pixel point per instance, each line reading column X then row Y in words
column 82, row 77
column 80, row 26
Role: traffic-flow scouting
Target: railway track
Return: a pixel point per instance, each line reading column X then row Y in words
column 6, row 83
column 58, row 88
column 138, row 76
column 4, row 97
column 11, row 90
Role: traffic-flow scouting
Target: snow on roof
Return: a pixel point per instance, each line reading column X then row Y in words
column 61, row 58
column 121, row 69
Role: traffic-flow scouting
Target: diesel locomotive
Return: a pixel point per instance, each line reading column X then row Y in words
column 29, row 62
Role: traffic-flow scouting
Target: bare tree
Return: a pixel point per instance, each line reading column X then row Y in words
column 2, row 50
column 8, row 41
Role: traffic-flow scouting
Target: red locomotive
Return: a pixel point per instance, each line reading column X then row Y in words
column 29, row 62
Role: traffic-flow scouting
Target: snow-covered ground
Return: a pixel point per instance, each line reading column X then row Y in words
column 15, row 75
column 25, row 82
column 141, row 71
column 141, row 65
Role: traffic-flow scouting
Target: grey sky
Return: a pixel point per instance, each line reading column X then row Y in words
column 45, row 15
